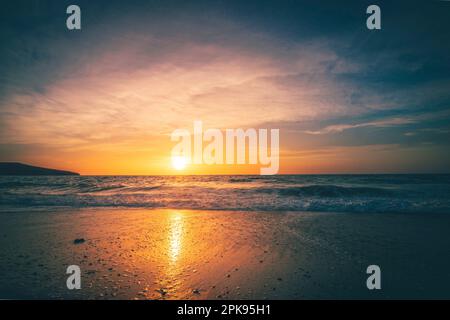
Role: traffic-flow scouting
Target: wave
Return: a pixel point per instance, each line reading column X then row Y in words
column 380, row 205
column 237, row 180
column 249, row 193
column 334, row 191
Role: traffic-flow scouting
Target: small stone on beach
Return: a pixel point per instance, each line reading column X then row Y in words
column 161, row 291
column 78, row 241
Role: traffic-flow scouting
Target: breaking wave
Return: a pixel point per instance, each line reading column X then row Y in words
column 326, row 193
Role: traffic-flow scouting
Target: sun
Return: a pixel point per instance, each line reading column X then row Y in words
column 179, row 162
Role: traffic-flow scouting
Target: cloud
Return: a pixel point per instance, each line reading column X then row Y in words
column 132, row 77
column 386, row 122
column 138, row 85
column 381, row 123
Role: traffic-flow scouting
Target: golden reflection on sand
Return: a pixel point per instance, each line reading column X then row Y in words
column 175, row 238
column 191, row 254
column 161, row 254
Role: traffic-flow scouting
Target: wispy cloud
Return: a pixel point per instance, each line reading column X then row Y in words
column 150, row 85
column 386, row 122
column 379, row 123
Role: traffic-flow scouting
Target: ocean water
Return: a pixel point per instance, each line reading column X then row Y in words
column 320, row 193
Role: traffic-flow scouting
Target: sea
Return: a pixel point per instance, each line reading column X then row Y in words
column 405, row 193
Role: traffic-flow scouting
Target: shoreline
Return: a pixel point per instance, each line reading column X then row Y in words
column 135, row 253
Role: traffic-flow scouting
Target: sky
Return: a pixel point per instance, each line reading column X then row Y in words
column 105, row 99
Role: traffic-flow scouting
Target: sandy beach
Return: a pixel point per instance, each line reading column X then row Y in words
column 185, row 254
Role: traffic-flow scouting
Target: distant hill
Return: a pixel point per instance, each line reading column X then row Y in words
column 20, row 169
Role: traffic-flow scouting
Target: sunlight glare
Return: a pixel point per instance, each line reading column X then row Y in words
column 178, row 162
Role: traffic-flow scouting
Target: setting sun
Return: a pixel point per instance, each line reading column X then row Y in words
column 179, row 163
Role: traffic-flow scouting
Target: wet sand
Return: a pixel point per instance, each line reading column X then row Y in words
column 183, row 254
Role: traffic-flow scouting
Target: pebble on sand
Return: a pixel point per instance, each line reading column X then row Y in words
column 78, row 241
column 161, row 291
